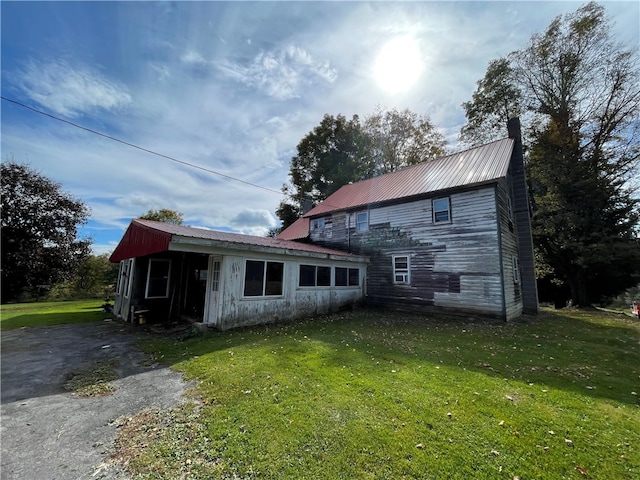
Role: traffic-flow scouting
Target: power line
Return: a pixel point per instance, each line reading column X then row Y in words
column 182, row 162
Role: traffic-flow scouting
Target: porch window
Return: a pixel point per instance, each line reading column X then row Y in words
column 441, row 210
column 401, row 269
column 347, row 277
column 313, row 276
column 362, row 221
column 158, row 278
column 262, row 278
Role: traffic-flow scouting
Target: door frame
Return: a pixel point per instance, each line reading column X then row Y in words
column 212, row 306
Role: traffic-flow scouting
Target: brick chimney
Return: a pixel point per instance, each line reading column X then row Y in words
column 523, row 221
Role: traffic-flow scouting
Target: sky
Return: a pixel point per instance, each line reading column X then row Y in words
column 232, row 87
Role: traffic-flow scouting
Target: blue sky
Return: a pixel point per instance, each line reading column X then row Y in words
column 232, row 87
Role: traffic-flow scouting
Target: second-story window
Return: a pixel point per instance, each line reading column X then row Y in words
column 317, row 224
column 441, row 210
column 362, row 221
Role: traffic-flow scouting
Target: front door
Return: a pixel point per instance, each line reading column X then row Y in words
column 212, row 307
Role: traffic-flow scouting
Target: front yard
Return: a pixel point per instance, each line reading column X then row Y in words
column 384, row 395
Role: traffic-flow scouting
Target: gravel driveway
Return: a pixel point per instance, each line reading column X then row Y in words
column 49, row 433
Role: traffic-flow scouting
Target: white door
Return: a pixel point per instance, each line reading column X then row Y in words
column 214, row 283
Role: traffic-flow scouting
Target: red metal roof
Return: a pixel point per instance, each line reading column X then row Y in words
column 141, row 239
column 145, row 237
column 475, row 166
column 298, row 230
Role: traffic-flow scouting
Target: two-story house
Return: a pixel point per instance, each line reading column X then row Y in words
column 451, row 235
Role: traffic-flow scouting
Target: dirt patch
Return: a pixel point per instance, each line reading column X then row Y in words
column 50, row 432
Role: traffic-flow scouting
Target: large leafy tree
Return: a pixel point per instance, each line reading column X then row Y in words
column 340, row 151
column 329, row 156
column 397, row 139
column 164, row 215
column 581, row 90
column 40, row 243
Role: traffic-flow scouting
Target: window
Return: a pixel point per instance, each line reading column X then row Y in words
column 515, row 266
column 401, row 269
column 158, row 278
column 263, row 278
column 317, row 224
column 312, row 276
column 324, row 277
column 362, row 221
column 441, row 210
column 509, row 207
column 347, row 277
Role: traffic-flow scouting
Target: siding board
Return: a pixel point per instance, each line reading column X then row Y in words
column 453, row 265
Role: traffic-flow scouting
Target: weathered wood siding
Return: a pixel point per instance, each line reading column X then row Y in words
column 453, row 266
column 509, row 248
column 295, row 301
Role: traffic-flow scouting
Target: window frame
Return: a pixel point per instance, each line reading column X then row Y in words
column 318, row 224
column 316, row 275
column 435, row 212
column 149, row 278
column 405, row 272
column 362, row 226
column 265, row 279
column 350, row 274
column 515, row 269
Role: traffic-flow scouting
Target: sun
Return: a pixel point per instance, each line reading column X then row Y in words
column 398, row 65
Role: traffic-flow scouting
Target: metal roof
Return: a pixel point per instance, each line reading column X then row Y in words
column 145, row 237
column 475, row 166
column 298, row 230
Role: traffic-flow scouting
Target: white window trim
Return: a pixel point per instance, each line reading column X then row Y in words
column 264, row 279
column 509, row 207
column 515, row 267
column 146, row 289
column 433, row 210
column 365, row 223
column 407, row 273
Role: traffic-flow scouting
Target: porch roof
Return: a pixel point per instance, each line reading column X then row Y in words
column 146, row 237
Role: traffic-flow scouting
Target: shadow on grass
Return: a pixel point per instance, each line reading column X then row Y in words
column 588, row 353
column 43, row 319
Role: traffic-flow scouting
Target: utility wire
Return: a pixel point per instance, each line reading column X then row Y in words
column 182, row 162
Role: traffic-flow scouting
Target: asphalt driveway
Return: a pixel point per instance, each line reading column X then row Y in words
column 49, row 433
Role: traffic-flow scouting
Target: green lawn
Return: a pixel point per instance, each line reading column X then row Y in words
column 384, row 395
column 17, row 315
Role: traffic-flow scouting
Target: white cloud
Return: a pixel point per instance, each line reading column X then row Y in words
column 193, row 58
column 281, row 73
column 254, row 221
column 70, row 90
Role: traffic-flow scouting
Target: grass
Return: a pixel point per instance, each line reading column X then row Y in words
column 38, row 314
column 93, row 381
column 381, row 395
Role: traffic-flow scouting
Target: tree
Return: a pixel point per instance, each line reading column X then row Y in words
column 164, row 215
column 95, row 276
column 496, row 99
column 329, row 156
column 40, row 244
column 397, row 139
column 340, row 151
column 581, row 87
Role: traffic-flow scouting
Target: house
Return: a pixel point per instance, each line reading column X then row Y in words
column 228, row 280
column 450, row 235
